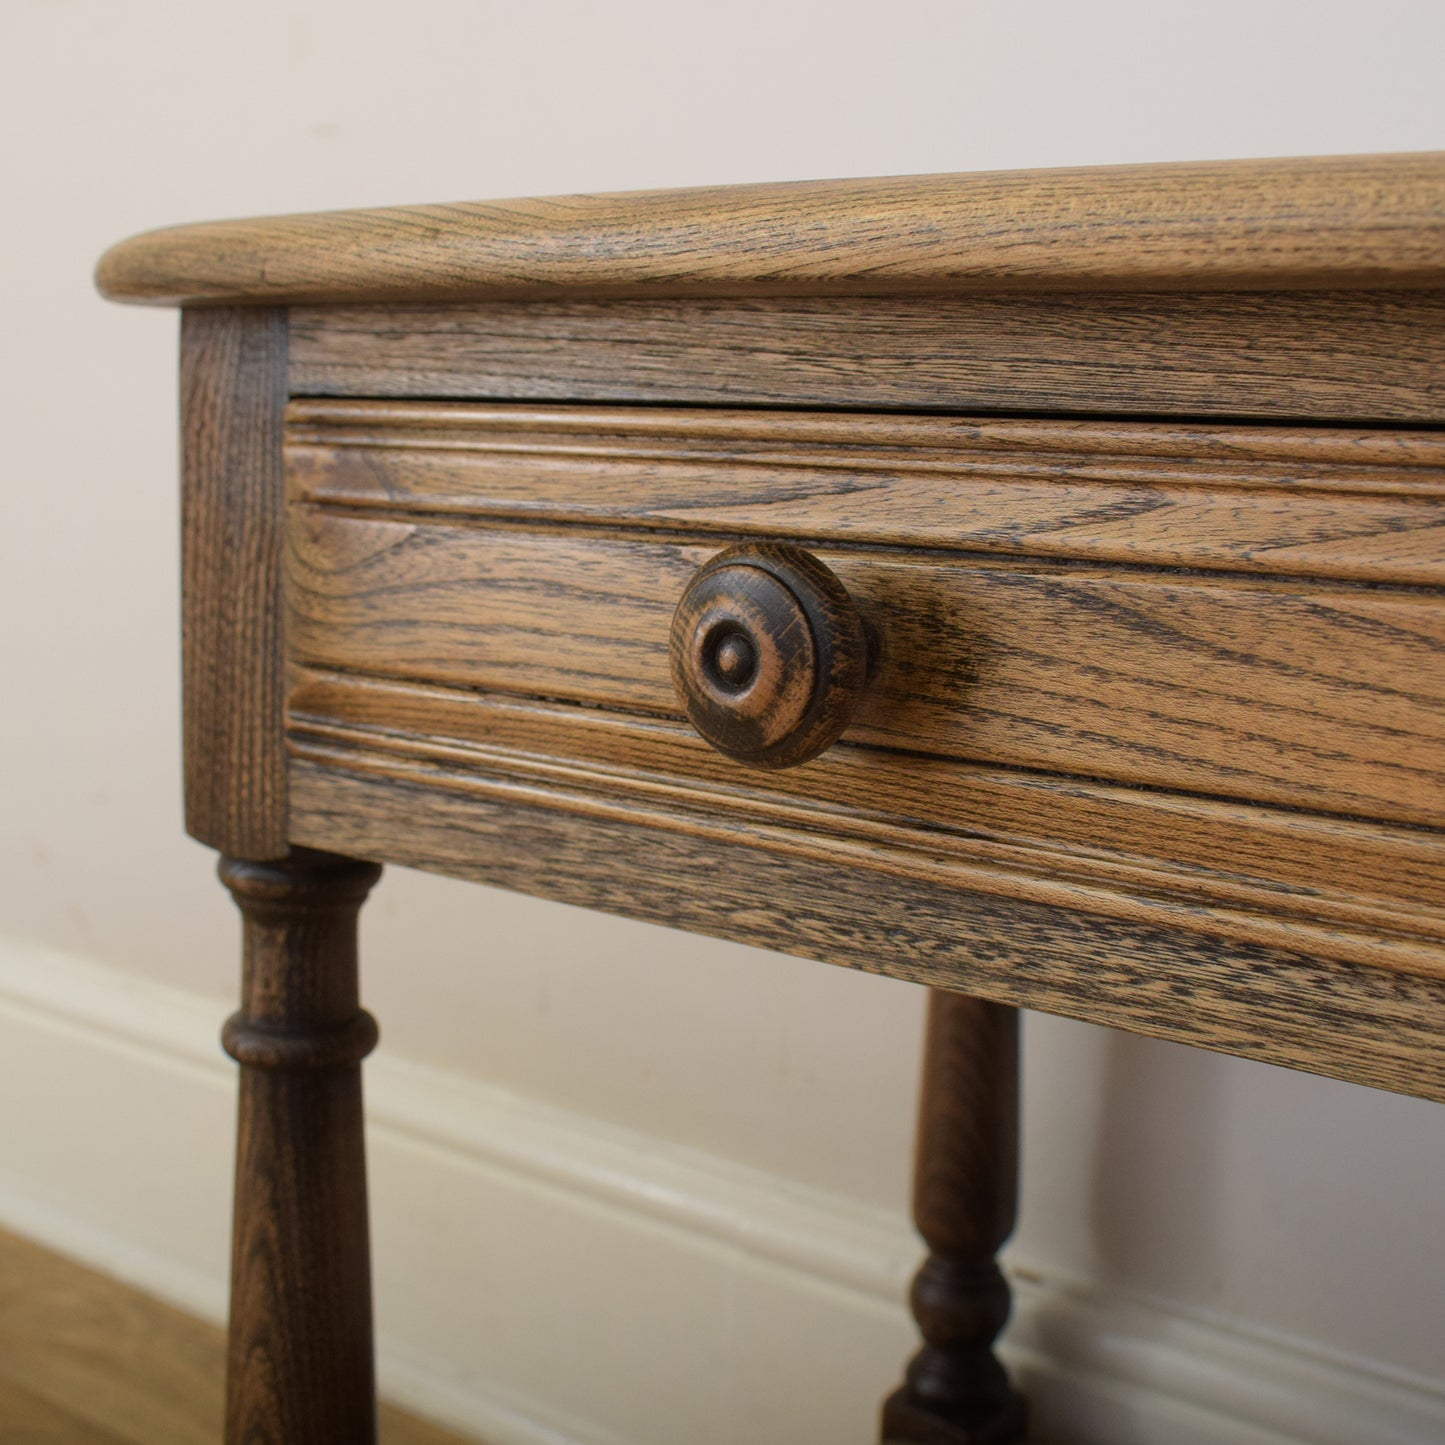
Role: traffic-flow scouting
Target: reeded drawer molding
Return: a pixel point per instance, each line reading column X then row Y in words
column 1346, row 890
column 1155, row 738
column 542, row 551
column 1367, row 505
column 1305, row 695
column 842, row 900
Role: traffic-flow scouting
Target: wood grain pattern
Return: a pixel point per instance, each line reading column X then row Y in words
column 965, row 1203
column 1294, row 501
column 233, row 397
column 1231, row 225
column 832, row 901
column 1298, row 694
column 299, row 1364
column 1369, row 889
column 1337, row 357
column 85, row 1359
column 1154, row 735
column 1359, row 893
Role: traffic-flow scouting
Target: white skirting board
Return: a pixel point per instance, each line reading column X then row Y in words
column 546, row 1279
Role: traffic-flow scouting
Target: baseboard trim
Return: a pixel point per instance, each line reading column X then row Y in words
column 725, row 1277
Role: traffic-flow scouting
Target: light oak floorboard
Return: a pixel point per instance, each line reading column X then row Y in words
column 86, row 1360
column 29, row 1419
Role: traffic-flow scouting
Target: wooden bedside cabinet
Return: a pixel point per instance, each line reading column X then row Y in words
column 1027, row 585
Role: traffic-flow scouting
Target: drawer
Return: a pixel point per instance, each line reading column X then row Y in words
column 1068, row 599
column 1304, row 696
column 1179, row 684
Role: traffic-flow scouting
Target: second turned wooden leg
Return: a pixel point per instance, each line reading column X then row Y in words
column 964, row 1203
column 299, row 1367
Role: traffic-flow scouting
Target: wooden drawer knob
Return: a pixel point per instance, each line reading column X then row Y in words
column 769, row 654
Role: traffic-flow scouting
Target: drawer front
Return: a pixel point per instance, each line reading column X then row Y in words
column 1179, row 684
column 1297, row 662
column 1325, row 698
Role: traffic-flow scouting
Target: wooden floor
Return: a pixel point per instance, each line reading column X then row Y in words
column 87, row 1361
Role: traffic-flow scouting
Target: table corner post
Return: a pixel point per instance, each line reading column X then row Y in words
column 300, row 1360
column 965, row 1200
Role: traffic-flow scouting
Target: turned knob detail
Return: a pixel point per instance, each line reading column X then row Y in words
column 769, row 654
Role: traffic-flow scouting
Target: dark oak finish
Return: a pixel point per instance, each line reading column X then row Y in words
column 299, row 1368
column 1338, row 221
column 1301, row 694
column 233, row 396
column 1347, row 356
column 899, row 912
column 1152, row 726
column 965, row 1198
column 1334, row 887
column 769, row 655
column 1344, row 503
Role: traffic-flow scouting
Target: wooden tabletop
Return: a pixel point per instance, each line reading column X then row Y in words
column 1344, row 222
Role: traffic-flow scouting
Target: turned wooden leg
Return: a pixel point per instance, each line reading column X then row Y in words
column 299, row 1369
column 965, row 1194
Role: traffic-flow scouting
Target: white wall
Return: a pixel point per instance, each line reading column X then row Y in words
column 1211, row 1194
